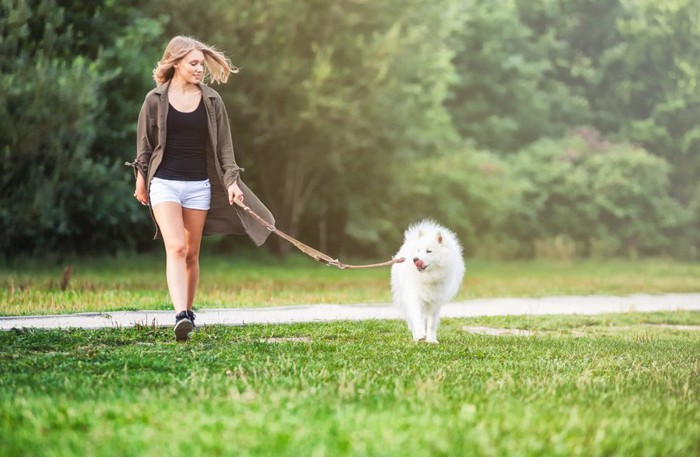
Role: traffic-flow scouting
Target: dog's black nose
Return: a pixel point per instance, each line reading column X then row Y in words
column 415, row 259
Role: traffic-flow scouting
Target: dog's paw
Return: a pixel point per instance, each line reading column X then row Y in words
column 418, row 338
column 431, row 340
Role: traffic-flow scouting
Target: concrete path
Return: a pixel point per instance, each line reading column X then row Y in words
column 319, row 313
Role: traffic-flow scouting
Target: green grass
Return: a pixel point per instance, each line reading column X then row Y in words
column 583, row 385
column 138, row 282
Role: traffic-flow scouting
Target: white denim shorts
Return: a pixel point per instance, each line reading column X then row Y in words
column 189, row 194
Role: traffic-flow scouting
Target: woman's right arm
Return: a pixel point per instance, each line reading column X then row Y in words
column 141, row 193
column 145, row 144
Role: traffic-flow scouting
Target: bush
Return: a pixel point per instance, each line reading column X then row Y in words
column 469, row 191
column 575, row 197
column 608, row 199
column 48, row 128
column 62, row 188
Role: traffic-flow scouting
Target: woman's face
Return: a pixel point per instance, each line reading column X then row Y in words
column 191, row 67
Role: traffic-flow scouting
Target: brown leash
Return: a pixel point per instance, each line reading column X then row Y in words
column 316, row 255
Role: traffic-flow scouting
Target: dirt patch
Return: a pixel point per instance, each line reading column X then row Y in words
column 291, row 339
column 498, row 331
column 688, row 328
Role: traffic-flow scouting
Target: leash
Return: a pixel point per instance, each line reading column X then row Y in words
column 308, row 250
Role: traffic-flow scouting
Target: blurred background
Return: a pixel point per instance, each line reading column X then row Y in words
column 533, row 128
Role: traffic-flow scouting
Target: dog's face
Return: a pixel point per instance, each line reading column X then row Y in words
column 428, row 250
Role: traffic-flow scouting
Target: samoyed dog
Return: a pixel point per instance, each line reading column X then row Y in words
column 429, row 278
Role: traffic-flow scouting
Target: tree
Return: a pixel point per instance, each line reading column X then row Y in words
column 508, row 94
column 328, row 93
column 650, row 85
column 470, row 191
column 534, row 69
column 64, row 186
column 609, row 198
column 45, row 151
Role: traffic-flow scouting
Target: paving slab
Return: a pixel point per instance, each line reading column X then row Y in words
column 596, row 304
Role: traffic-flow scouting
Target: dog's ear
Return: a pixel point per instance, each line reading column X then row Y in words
column 439, row 237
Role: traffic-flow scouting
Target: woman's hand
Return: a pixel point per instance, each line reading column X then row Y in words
column 140, row 193
column 234, row 193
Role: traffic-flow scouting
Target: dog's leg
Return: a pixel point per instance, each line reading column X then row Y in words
column 432, row 324
column 416, row 321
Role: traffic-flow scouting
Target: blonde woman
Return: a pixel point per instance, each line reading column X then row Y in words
column 185, row 167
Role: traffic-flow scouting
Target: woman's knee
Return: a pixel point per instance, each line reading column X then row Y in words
column 178, row 250
column 192, row 258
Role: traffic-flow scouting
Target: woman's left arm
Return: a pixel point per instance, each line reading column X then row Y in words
column 224, row 151
column 224, row 147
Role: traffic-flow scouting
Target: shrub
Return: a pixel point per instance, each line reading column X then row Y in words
column 608, row 199
column 44, row 150
column 60, row 191
column 468, row 191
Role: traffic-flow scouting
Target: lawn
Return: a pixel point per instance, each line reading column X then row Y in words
column 138, row 282
column 625, row 384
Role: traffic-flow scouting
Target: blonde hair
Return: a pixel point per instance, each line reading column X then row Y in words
column 217, row 66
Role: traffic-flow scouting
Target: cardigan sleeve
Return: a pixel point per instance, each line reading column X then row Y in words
column 224, row 149
column 145, row 139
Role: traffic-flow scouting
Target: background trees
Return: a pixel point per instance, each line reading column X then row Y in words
column 328, row 95
column 522, row 125
column 65, row 74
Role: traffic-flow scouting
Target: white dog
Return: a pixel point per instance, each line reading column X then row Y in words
column 429, row 278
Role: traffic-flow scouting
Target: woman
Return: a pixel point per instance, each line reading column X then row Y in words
column 185, row 167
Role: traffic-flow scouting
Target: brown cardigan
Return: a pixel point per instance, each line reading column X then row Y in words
column 222, row 218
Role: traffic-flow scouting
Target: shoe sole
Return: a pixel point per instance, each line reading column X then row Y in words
column 183, row 330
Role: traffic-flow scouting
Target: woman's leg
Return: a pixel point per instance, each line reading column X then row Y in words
column 193, row 225
column 170, row 219
column 182, row 236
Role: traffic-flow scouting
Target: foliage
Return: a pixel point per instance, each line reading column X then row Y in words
column 613, row 198
column 353, row 119
column 533, row 69
column 470, row 191
column 45, row 152
column 508, row 93
column 650, row 84
column 328, row 92
column 578, row 196
column 593, row 385
column 60, row 190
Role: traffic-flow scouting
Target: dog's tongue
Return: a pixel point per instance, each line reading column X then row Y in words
column 419, row 264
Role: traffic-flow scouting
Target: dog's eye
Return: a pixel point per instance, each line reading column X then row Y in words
column 428, row 251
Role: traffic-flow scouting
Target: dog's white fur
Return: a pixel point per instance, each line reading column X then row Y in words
column 429, row 277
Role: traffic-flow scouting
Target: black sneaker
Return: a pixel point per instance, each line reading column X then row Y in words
column 183, row 326
column 190, row 314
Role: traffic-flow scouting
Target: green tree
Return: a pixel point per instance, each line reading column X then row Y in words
column 329, row 93
column 650, row 85
column 609, row 198
column 508, row 94
column 44, row 150
column 61, row 190
column 472, row 192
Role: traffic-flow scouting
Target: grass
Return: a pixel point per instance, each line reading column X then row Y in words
column 582, row 385
column 138, row 282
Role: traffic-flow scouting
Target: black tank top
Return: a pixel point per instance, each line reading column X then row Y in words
column 184, row 158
